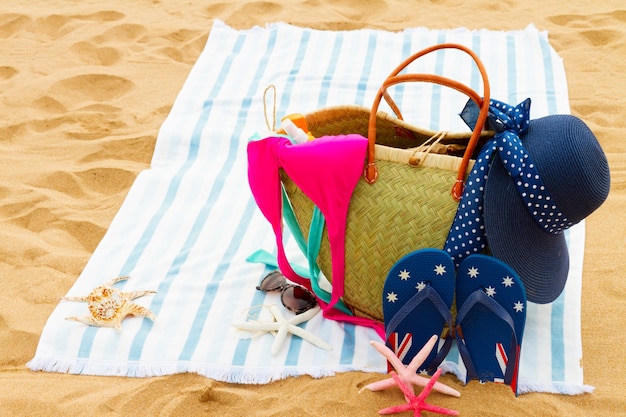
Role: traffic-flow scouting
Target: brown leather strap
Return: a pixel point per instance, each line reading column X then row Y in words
column 371, row 173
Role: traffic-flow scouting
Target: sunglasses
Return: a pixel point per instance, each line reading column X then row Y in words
column 294, row 297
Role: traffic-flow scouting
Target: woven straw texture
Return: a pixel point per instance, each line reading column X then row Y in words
column 409, row 207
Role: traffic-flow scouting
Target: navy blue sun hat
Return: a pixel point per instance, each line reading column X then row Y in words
column 575, row 172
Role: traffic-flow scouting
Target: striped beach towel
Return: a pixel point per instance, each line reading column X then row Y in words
column 189, row 222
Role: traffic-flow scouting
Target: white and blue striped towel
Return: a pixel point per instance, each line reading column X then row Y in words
column 189, row 222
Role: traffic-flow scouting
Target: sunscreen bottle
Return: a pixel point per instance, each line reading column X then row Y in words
column 298, row 135
column 299, row 122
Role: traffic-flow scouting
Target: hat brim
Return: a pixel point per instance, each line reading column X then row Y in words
column 541, row 259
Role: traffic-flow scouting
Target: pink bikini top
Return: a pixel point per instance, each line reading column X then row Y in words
column 327, row 170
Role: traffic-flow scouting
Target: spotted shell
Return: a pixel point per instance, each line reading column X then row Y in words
column 105, row 303
column 108, row 306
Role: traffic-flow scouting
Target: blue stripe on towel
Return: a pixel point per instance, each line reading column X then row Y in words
column 366, row 71
column 211, row 289
column 330, row 71
column 283, row 103
column 407, row 50
column 240, row 353
column 513, row 97
column 435, row 102
column 476, row 80
column 557, row 346
column 349, row 342
column 295, row 346
column 549, row 75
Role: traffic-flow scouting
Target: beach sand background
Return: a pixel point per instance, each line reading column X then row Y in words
column 84, row 88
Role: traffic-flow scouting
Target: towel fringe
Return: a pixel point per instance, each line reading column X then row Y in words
column 525, row 387
column 146, row 370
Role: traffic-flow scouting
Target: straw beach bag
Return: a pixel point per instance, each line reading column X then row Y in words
column 412, row 181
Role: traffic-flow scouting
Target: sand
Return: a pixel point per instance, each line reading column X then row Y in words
column 84, row 88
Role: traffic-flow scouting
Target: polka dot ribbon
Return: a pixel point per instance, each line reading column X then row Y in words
column 467, row 234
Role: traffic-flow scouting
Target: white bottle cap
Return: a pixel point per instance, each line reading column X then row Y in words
column 298, row 135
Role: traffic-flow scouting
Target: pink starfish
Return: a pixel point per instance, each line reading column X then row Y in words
column 417, row 404
column 408, row 374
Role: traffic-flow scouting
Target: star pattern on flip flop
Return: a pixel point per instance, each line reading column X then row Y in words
column 404, row 275
column 473, row 272
column 392, row 297
column 440, row 269
column 420, row 286
column 490, row 291
column 417, row 403
column 507, row 281
column 409, row 374
column 283, row 326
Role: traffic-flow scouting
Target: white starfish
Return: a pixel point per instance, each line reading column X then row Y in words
column 408, row 374
column 283, row 326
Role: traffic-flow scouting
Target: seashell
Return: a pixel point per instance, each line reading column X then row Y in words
column 109, row 306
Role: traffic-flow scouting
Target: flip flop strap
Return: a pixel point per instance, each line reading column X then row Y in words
column 432, row 295
column 474, row 298
column 441, row 355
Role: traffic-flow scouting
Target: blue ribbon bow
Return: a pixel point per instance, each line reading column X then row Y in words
column 467, row 234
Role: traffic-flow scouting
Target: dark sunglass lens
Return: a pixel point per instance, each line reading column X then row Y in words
column 298, row 299
column 273, row 281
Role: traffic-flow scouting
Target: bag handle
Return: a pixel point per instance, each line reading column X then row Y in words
column 371, row 172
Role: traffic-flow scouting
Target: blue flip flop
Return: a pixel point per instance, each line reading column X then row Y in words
column 417, row 297
column 491, row 303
